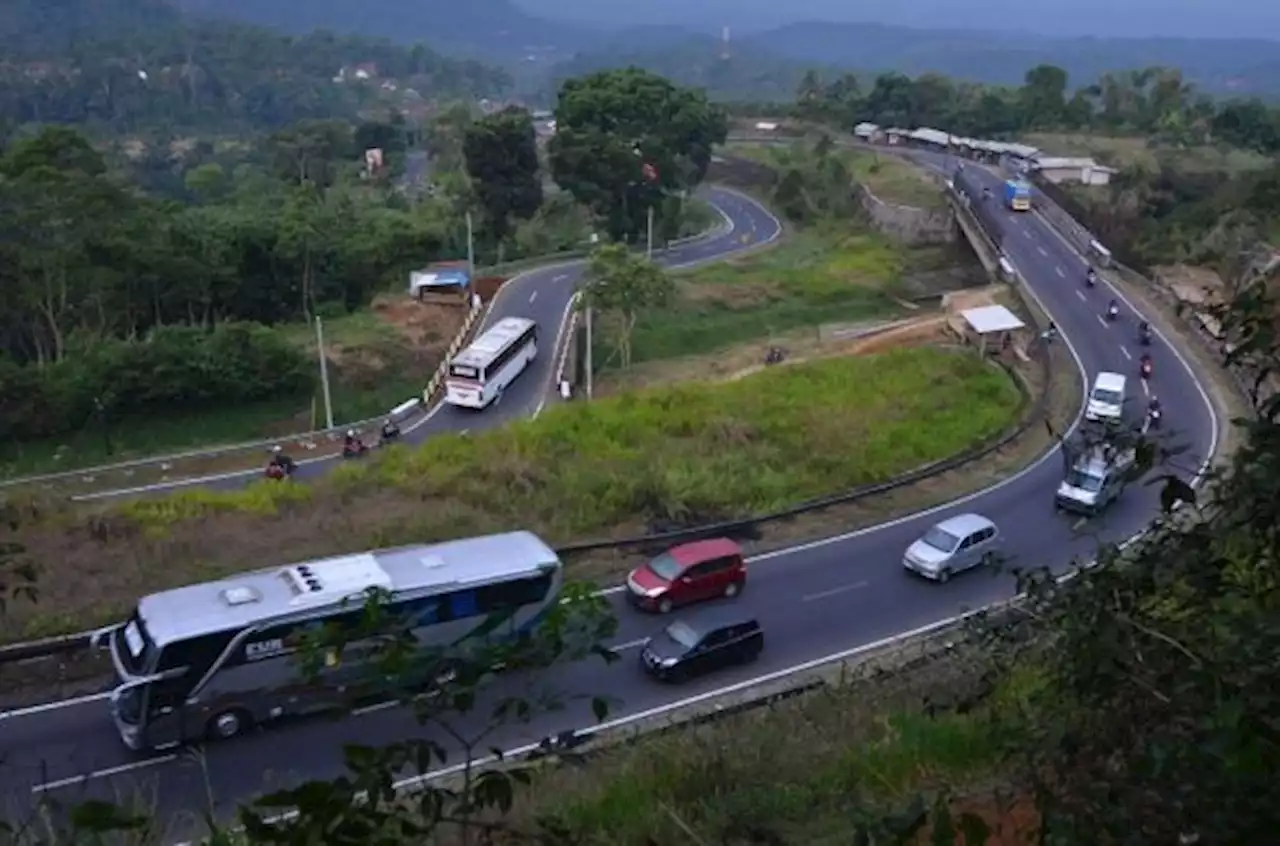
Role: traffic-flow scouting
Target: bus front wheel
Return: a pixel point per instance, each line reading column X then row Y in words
column 229, row 724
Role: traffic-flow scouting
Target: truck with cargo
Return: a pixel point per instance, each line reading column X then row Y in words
column 1017, row 195
column 1096, row 479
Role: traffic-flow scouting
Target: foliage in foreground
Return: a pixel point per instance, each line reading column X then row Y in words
column 690, row 453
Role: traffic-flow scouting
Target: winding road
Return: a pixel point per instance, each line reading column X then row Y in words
column 813, row 600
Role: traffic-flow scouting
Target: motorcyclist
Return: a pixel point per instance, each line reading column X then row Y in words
column 352, row 445
column 1146, row 364
column 1090, row 277
column 1113, row 310
column 1144, row 333
column 390, row 431
column 1154, row 404
column 282, row 461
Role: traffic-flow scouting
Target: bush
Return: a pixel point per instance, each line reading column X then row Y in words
column 174, row 368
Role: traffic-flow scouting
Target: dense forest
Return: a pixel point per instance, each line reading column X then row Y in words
column 134, row 64
column 1171, row 205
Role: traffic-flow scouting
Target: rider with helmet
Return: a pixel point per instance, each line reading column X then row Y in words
column 390, row 431
column 1113, row 309
column 281, row 465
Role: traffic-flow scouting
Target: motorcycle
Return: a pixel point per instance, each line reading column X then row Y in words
column 1113, row 313
column 1145, row 370
column 279, row 469
column 1090, row 280
column 775, row 355
column 1145, row 338
column 1154, row 416
column 355, row 450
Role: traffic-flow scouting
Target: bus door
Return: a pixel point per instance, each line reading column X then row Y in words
column 149, row 712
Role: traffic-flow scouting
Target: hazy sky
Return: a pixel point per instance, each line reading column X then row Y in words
column 1121, row 18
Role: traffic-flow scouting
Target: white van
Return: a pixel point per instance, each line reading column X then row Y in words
column 1106, row 400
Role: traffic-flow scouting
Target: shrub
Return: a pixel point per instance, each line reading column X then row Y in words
column 172, row 368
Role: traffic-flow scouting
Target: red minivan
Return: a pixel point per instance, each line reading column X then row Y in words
column 691, row 572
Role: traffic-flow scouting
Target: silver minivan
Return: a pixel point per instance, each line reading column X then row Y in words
column 956, row 544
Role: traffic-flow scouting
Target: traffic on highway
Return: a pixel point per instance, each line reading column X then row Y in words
column 759, row 615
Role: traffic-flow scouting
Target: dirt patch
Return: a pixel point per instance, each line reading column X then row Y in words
column 422, row 324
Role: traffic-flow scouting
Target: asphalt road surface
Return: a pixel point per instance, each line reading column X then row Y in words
column 812, row 600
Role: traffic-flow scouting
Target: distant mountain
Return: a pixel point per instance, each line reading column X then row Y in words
column 1220, row 66
column 51, row 26
column 479, row 28
column 745, row 72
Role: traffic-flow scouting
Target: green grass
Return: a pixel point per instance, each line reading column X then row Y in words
column 1123, row 151
column 695, row 451
column 800, row 772
column 814, row 277
column 889, row 177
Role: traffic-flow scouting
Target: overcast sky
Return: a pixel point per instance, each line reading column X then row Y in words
column 1121, row 18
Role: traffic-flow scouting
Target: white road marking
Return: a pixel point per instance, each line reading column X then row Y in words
column 1026, row 233
column 1043, row 251
column 1146, row 389
column 836, row 591
column 1125, row 353
column 533, row 296
column 53, row 706
column 1082, row 297
column 560, row 277
column 107, row 773
column 631, row 644
column 1061, row 274
column 1105, row 324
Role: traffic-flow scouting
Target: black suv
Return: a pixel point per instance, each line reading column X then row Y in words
column 688, row 648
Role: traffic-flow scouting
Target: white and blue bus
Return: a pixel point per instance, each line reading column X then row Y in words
column 480, row 373
column 208, row 661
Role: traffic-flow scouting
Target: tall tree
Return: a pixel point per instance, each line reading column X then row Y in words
column 501, row 152
column 624, row 138
column 621, row 285
column 1043, row 96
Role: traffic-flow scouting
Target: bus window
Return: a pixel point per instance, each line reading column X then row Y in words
column 462, row 604
column 513, row 594
column 198, row 653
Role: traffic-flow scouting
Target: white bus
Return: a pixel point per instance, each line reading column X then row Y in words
column 208, row 661
column 480, row 373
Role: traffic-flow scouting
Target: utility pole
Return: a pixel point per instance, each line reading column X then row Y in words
column 649, row 251
column 589, row 362
column 471, row 251
column 324, row 375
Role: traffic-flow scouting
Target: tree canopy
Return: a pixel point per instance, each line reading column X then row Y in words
column 148, row 66
column 501, row 153
column 626, row 138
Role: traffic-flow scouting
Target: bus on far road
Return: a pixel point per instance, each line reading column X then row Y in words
column 480, row 373
column 210, row 660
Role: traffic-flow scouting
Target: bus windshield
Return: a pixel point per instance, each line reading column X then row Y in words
column 461, row 371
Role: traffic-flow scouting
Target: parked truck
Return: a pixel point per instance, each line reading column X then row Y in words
column 1017, row 195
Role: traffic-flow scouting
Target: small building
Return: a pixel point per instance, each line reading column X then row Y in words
column 991, row 327
column 1058, row 169
column 869, row 132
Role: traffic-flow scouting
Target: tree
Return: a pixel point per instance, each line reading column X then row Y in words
column 1043, row 96
column 621, row 285
column 610, row 125
column 501, row 152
